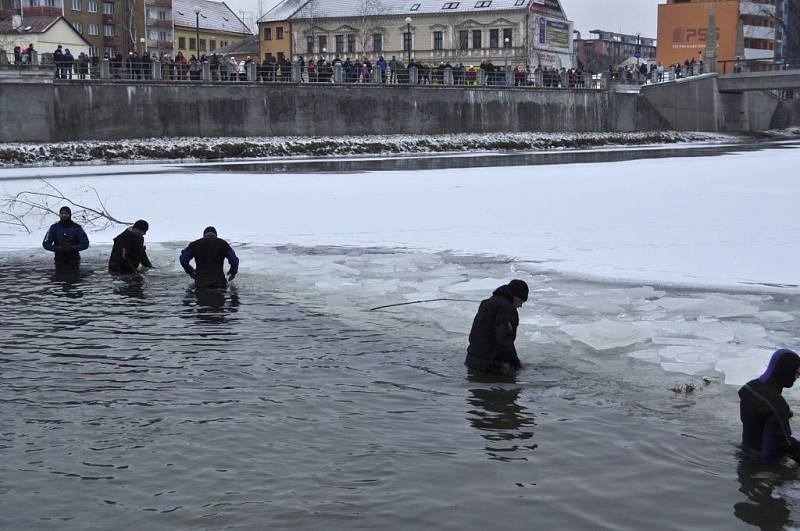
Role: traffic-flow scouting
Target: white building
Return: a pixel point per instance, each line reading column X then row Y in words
column 45, row 32
column 516, row 32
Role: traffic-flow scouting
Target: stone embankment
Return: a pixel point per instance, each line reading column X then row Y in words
column 192, row 149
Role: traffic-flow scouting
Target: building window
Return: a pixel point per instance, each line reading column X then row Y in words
column 202, row 45
column 162, row 36
column 91, row 6
column 94, row 29
column 483, row 3
column 223, row 44
column 406, row 42
column 108, row 8
column 50, row 3
column 414, row 7
column 192, row 44
column 267, row 34
column 108, row 30
column 78, row 27
column 494, row 38
column 476, row 39
column 162, row 15
column 351, row 43
column 438, row 40
column 212, row 44
column 279, row 33
column 520, row 3
column 76, row 5
column 309, row 44
column 322, row 43
column 463, row 40
column 508, row 40
column 182, row 43
column 110, row 51
column 377, row 42
column 451, row 5
column 92, row 51
column 339, row 43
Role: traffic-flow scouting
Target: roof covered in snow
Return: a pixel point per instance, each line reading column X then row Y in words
column 214, row 16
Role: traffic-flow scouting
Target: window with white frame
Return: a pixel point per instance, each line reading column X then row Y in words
column 108, row 8
column 78, row 27
column 76, row 5
column 108, row 30
column 91, row 6
column 94, row 29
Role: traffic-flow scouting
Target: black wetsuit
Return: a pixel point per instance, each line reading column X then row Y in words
column 128, row 253
column 209, row 253
column 764, row 412
column 494, row 330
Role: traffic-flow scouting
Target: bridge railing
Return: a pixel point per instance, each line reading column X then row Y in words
column 739, row 66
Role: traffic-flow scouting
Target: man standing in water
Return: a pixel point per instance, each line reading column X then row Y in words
column 129, row 252
column 764, row 412
column 209, row 253
column 494, row 330
column 66, row 239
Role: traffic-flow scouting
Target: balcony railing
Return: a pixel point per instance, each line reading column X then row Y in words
column 108, row 19
column 161, row 3
column 159, row 23
column 167, row 45
column 111, row 41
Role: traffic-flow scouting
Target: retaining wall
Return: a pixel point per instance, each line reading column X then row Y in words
column 59, row 111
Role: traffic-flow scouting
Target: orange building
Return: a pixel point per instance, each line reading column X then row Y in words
column 745, row 29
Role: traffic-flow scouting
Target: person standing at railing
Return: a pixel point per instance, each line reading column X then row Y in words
column 83, row 65
column 383, row 66
column 393, row 70
column 58, row 60
column 69, row 63
column 312, row 71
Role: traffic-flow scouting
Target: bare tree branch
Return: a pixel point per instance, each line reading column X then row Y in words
column 28, row 206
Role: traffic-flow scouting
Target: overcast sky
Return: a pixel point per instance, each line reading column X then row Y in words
column 628, row 16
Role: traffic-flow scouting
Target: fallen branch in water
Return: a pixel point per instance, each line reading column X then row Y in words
column 418, row 302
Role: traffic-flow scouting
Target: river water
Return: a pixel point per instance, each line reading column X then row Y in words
column 283, row 402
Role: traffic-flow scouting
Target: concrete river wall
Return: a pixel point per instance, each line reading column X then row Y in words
column 52, row 111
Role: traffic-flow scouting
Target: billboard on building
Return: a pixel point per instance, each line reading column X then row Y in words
column 551, row 42
column 683, row 31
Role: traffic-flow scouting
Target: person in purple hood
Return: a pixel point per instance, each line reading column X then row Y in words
column 764, row 412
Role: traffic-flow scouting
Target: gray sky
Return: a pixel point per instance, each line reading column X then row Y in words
column 629, row 16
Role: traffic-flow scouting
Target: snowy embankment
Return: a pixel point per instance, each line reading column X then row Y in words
column 260, row 147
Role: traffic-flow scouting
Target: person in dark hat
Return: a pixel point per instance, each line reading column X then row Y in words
column 764, row 412
column 209, row 254
column 129, row 252
column 494, row 330
column 66, row 239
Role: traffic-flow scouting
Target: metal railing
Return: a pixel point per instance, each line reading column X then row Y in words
column 222, row 70
column 741, row 66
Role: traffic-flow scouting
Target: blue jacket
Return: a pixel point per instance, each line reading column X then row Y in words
column 65, row 238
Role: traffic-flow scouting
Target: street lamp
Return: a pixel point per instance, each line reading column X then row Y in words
column 506, row 45
column 141, row 41
column 196, row 10
column 408, row 32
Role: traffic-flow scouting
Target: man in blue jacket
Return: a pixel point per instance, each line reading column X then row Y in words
column 66, row 239
column 209, row 253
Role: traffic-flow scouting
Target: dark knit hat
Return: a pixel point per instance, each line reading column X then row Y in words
column 141, row 225
column 519, row 289
column 66, row 209
column 209, row 229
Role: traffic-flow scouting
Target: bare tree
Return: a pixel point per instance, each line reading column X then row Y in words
column 29, row 210
column 366, row 25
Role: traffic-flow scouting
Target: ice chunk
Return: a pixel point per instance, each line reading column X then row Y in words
column 606, row 334
column 712, row 306
column 775, row 316
column 478, row 284
column 692, row 369
column 645, row 355
column 666, row 331
column 739, row 370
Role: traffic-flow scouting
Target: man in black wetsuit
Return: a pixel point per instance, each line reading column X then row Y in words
column 764, row 412
column 65, row 240
column 494, row 330
column 209, row 253
column 128, row 252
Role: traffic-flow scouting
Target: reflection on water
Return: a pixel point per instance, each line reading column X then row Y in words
column 212, row 305
column 766, row 507
column 483, row 160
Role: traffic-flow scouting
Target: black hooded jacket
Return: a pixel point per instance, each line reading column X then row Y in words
column 764, row 412
column 128, row 253
column 209, row 254
column 494, row 330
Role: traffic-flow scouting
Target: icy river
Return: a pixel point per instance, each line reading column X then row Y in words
column 661, row 278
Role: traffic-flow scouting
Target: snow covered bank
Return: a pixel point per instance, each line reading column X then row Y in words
column 244, row 148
